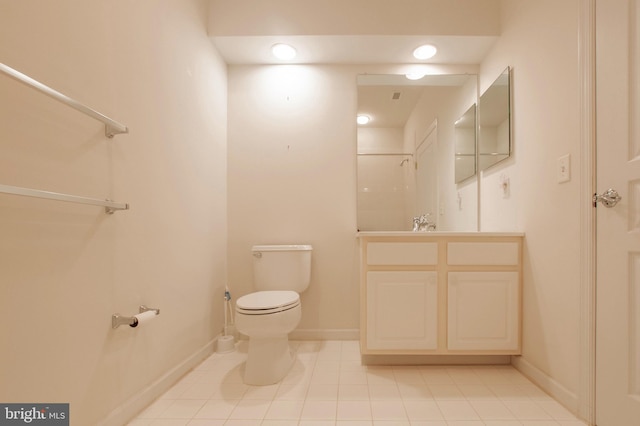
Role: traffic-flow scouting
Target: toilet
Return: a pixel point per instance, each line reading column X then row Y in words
column 280, row 274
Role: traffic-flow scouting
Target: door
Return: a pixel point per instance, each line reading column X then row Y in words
column 618, row 228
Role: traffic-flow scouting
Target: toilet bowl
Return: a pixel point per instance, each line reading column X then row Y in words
column 267, row 316
column 268, row 325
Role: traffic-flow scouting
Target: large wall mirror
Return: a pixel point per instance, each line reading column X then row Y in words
column 406, row 152
column 494, row 143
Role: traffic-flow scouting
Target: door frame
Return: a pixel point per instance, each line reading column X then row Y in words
column 587, row 322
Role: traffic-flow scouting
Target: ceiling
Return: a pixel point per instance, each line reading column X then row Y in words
column 354, row 31
column 353, row 49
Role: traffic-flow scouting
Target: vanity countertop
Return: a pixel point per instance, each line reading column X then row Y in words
column 362, row 234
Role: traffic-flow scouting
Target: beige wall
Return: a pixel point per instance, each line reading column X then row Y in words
column 65, row 268
column 540, row 42
column 292, row 179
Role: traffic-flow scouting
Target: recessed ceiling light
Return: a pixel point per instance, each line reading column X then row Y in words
column 363, row 119
column 425, row 51
column 283, row 51
column 414, row 75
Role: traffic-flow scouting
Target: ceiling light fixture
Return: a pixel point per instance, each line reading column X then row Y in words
column 426, row 51
column 363, row 119
column 414, row 75
column 283, row 51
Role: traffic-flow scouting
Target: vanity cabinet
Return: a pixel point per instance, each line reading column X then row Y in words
column 441, row 294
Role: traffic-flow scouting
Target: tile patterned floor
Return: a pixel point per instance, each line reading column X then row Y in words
column 329, row 386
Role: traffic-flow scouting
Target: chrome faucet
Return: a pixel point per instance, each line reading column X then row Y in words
column 423, row 223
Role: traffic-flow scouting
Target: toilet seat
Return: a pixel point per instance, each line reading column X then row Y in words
column 267, row 302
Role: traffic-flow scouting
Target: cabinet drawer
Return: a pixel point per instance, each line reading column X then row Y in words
column 402, row 253
column 483, row 253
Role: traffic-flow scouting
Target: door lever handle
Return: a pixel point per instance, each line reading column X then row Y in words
column 608, row 198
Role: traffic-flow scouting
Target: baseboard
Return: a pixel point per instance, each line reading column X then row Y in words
column 547, row 383
column 436, row 359
column 325, row 334
column 134, row 405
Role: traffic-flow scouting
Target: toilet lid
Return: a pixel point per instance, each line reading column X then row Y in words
column 268, row 300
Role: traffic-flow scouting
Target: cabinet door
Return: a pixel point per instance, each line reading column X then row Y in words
column 483, row 311
column 402, row 310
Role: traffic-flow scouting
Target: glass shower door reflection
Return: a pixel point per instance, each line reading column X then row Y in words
column 386, row 192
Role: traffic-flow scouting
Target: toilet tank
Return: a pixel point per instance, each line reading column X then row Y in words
column 281, row 267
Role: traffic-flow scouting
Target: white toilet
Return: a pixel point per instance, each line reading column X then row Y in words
column 280, row 273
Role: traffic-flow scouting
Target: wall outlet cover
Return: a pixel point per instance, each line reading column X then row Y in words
column 564, row 168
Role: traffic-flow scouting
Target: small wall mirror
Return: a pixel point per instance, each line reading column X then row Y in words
column 465, row 145
column 494, row 144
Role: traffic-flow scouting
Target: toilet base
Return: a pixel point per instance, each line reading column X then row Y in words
column 268, row 360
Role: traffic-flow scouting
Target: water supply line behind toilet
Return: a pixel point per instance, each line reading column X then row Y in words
column 226, row 342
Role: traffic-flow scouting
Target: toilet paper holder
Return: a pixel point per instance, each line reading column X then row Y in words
column 117, row 320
